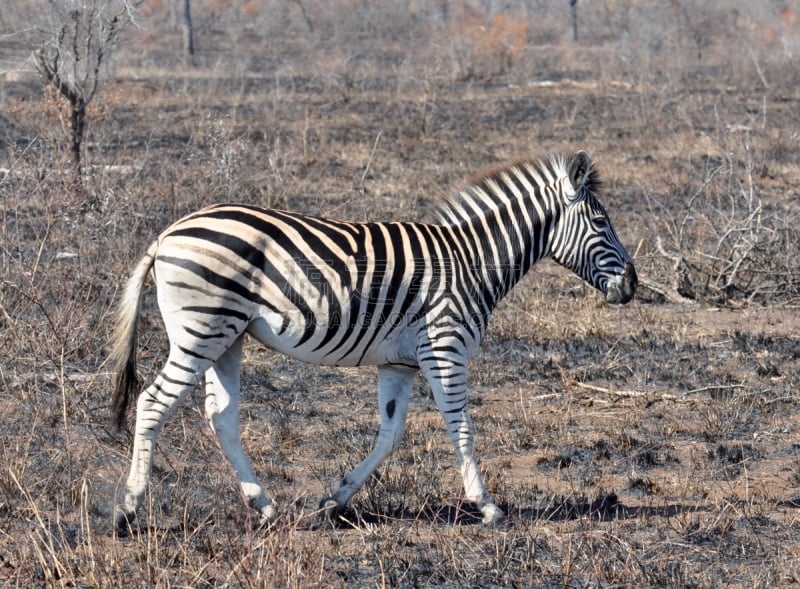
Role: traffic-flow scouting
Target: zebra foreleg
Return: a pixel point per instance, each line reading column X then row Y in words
column 222, row 412
column 394, row 390
column 448, row 380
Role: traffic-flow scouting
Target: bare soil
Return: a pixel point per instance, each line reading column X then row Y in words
column 651, row 445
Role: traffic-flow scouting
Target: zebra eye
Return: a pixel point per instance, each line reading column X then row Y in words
column 600, row 221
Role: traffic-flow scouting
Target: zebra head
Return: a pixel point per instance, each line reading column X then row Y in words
column 583, row 238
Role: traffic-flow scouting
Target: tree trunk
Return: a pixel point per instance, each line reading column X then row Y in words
column 573, row 6
column 188, row 36
column 77, row 128
column 77, row 106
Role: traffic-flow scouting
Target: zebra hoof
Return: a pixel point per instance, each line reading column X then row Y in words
column 268, row 519
column 330, row 511
column 123, row 520
column 330, row 507
column 493, row 516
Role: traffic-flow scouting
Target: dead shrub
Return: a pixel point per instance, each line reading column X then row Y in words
column 724, row 240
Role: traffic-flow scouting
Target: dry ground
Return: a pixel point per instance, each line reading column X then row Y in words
column 656, row 444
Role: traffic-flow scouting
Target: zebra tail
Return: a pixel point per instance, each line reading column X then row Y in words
column 124, row 339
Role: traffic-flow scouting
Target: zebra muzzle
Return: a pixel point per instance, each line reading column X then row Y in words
column 623, row 286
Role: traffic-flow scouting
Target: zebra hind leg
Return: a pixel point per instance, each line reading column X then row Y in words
column 155, row 404
column 394, row 390
column 221, row 407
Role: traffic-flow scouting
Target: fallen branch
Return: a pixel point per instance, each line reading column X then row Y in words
column 546, row 396
column 610, row 391
column 714, row 387
column 669, row 293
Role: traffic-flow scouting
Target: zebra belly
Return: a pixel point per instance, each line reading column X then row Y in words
column 369, row 346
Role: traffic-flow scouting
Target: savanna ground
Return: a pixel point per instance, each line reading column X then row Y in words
column 656, row 444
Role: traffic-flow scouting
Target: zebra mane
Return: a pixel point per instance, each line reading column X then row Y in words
column 460, row 205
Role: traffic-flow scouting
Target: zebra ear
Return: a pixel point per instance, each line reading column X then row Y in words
column 579, row 169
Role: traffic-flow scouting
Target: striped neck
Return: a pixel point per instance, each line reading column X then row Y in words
column 502, row 222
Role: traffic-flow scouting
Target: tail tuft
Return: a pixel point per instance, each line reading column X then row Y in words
column 126, row 385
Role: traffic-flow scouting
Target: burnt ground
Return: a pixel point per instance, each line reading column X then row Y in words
column 654, row 444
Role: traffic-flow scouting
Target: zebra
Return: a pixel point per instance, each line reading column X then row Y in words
column 406, row 297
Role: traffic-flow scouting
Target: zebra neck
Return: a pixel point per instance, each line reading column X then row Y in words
column 499, row 249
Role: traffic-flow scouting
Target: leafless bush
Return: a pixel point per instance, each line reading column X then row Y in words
column 722, row 242
column 72, row 49
column 484, row 45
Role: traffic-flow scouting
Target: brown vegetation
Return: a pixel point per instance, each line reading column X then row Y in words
column 652, row 445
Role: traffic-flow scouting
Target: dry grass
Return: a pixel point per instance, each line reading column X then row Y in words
column 653, row 445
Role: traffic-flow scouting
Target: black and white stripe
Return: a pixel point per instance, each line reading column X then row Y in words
column 406, row 297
